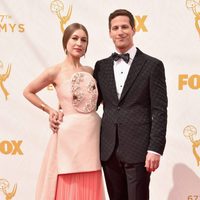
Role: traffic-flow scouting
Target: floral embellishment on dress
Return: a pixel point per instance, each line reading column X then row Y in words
column 76, row 90
column 91, row 86
column 84, row 92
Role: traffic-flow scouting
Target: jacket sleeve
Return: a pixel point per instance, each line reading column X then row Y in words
column 159, row 102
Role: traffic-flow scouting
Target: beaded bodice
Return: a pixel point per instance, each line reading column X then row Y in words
column 78, row 94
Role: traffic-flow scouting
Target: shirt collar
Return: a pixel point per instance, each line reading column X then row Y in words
column 132, row 52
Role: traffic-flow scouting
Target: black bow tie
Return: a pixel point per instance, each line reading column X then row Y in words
column 117, row 56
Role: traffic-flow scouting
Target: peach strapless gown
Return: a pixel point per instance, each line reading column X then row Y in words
column 71, row 168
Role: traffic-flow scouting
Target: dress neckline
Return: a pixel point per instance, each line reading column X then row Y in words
column 73, row 74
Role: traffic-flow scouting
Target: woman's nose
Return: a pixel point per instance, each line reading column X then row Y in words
column 79, row 42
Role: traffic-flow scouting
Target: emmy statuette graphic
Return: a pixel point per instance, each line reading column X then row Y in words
column 4, row 186
column 57, row 7
column 189, row 132
column 195, row 6
column 3, row 78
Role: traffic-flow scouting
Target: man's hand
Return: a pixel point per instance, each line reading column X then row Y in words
column 152, row 161
column 55, row 118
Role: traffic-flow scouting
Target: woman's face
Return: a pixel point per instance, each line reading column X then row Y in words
column 77, row 44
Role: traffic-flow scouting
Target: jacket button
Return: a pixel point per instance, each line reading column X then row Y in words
column 118, row 108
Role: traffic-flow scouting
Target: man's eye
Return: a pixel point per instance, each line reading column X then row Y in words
column 114, row 28
column 125, row 27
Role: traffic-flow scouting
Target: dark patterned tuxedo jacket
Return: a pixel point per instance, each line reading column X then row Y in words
column 141, row 112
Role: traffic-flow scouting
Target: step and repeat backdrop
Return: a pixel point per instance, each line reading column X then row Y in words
column 31, row 40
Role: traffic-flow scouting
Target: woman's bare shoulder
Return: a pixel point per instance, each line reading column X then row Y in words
column 88, row 69
column 51, row 72
column 54, row 68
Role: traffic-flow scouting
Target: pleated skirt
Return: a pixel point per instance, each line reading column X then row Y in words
column 80, row 186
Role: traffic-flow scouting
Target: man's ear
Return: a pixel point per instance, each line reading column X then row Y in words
column 134, row 31
column 110, row 33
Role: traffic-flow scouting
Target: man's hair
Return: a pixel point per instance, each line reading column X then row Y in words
column 121, row 12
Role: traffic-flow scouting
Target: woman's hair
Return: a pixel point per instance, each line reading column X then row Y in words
column 70, row 30
column 121, row 12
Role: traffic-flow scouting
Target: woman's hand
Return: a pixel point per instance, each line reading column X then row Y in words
column 55, row 118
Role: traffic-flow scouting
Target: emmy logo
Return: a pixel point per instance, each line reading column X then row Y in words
column 57, row 7
column 189, row 132
column 3, row 77
column 195, row 6
column 4, row 186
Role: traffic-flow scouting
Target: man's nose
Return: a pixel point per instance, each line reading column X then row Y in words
column 120, row 31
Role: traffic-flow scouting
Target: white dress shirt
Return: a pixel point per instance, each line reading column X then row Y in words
column 121, row 69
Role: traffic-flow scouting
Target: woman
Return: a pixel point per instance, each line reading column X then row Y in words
column 71, row 167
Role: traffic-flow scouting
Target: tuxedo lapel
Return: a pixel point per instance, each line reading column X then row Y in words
column 134, row 70
column 110, row 85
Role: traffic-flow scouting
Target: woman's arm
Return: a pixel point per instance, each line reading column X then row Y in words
column 30, row 92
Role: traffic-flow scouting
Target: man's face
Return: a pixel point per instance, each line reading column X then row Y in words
column 122, row 33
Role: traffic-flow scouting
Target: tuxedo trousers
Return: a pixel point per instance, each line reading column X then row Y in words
column 125, row 181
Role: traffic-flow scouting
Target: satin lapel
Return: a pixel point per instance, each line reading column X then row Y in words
column 110, row 79
column 135, row 68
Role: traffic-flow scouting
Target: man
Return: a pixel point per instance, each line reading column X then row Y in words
column 134, row 97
